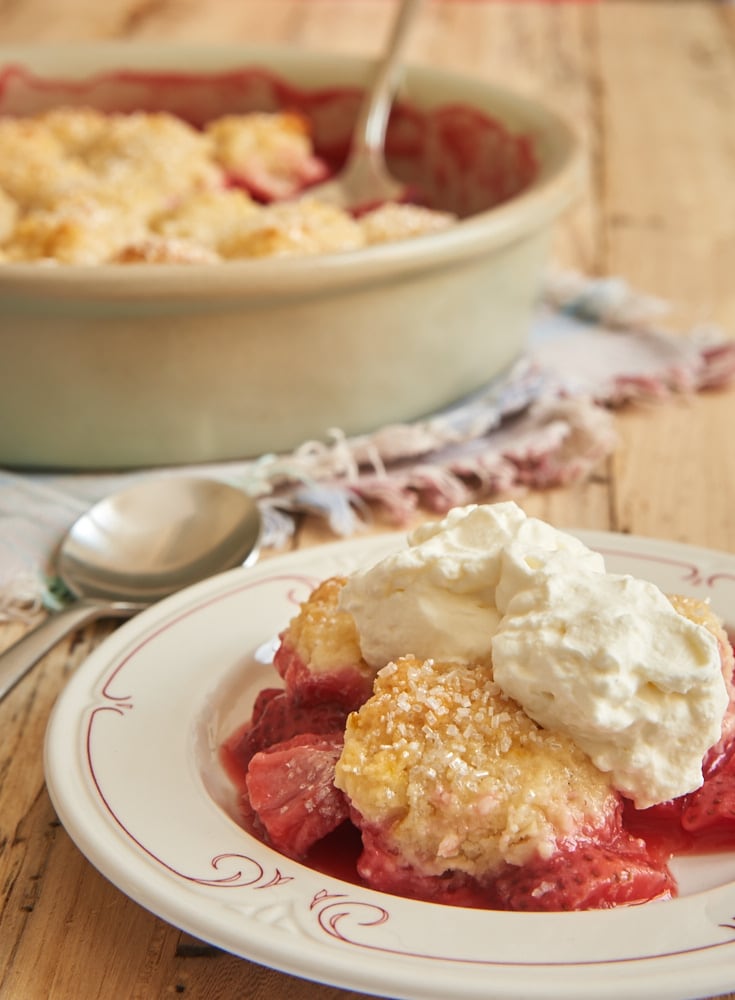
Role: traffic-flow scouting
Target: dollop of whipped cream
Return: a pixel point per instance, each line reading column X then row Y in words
column 443, row 596
column 604, row 658
column 607, row 660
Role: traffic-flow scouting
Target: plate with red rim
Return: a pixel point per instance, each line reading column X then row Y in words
column 133, row 771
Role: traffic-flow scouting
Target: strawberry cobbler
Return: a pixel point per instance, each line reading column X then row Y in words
column 500, row 721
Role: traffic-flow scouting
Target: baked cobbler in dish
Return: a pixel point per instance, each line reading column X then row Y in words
column 80, row 186
column 460, row 792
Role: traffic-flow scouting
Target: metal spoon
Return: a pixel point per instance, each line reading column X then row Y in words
column 364, row 181
column 136, row 547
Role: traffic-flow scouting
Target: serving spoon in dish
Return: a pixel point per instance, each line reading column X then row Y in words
column 365, row 181
column 136, row 547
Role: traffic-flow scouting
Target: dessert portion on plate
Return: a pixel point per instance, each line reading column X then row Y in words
column 82, row 186
column 505, row 724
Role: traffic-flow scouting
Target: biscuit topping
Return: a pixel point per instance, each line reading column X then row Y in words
column 457, row 776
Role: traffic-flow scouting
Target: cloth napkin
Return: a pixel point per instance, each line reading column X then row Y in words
column 595, row 345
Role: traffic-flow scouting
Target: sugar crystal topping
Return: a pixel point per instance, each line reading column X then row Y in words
column 453, row 774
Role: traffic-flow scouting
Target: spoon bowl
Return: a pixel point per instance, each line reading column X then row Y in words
column 136, row 547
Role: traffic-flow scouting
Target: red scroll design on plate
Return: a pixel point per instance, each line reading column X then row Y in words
column 336, row 912
column 244, row 870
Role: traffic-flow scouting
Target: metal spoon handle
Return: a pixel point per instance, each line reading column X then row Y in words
column 372, row 119
column 24, row 654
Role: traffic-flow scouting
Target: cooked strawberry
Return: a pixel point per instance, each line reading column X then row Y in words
column 261, row 702
column 586, row 876
column 291, row 791
column 590, row 876
column 660, row 827
column 709, row 812
column 276, row 717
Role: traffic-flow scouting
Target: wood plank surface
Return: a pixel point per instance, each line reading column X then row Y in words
column 650, row 87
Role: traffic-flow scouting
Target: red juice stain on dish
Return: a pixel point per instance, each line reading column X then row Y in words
column 455, row 158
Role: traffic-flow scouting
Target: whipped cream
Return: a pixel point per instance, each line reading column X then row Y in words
column 604, row 658
column 443, row 596
column 607, row 660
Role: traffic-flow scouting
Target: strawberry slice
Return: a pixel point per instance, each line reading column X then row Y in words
column 709, row 812
column 588, row 876
column 583, row 876
column 660, row 826
column 291, row 791
column 277, row 717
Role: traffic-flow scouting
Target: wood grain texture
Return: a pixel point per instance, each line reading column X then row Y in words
column 650, row 88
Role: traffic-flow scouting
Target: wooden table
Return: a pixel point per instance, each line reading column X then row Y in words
column 651, row 87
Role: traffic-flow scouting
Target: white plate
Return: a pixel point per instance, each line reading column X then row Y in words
column 131, row 765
